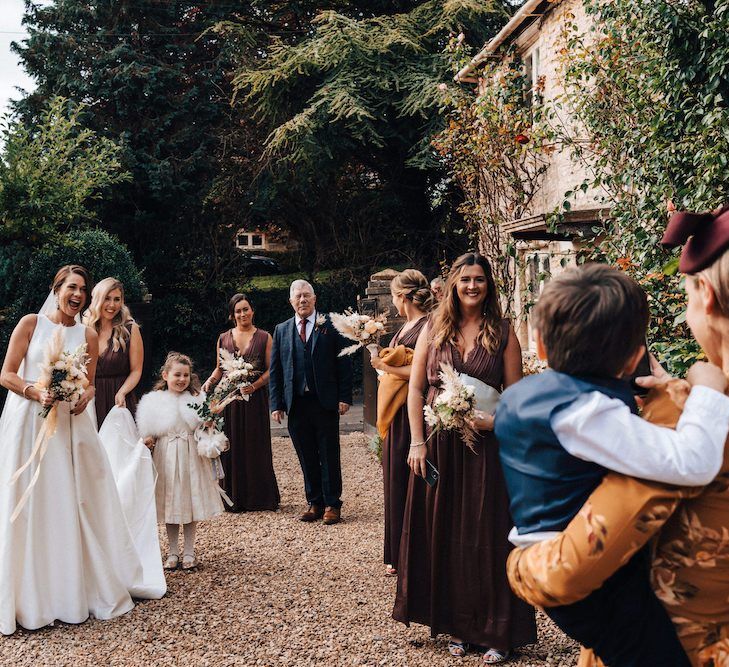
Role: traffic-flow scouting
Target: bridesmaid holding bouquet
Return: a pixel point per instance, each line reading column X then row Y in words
column 413, row 299
column 454, row 546
column 249, row 480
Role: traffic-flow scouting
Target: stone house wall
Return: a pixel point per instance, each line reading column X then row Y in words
column 546, row 36
column 543, row 257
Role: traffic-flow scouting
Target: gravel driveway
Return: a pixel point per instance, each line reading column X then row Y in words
column 273, row 591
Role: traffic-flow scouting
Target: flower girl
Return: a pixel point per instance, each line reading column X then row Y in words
column 187, row 490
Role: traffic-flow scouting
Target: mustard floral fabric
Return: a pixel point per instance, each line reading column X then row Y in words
column 690, row 572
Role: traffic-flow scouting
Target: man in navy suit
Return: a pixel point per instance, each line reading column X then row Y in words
column 313, row 385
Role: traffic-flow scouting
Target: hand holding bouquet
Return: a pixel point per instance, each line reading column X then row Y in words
column 363, row 329
column 237, row 374
column 454, row 409
column 63, row 374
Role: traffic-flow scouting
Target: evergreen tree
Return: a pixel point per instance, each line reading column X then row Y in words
column 350, row 111
column 156, row 83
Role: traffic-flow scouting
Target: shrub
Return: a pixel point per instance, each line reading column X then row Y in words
column 25, row 275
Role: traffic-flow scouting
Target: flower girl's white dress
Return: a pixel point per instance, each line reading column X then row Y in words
column 187, row 489
column 69, row 553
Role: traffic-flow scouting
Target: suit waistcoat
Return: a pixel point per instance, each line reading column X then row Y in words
column 303, row 364
column 547, row 485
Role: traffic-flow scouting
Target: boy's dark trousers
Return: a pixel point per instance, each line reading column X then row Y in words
column 623, row 622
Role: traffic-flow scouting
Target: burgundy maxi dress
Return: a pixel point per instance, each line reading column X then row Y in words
column 395, row 469
column 249, row 481
column 112, row 370
column 452, row 561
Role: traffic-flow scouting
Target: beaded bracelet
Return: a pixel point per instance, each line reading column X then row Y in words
column 417, row 444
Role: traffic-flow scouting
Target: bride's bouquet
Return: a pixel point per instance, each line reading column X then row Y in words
column 454, row 407
column 364, row 329
column 63, row 373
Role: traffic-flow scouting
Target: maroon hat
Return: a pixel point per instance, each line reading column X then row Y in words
column 705, row 235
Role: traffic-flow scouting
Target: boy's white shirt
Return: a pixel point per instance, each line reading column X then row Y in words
column 603, row 430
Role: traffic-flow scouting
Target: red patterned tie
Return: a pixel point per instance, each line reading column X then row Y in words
column 302, row 333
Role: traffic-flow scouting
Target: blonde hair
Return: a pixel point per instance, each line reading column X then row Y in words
column 121, row 324
column 413, row 286
column 178, row 358
column 447, row 318
column 717, row 274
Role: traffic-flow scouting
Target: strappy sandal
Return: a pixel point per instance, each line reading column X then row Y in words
column 494, row 656
column 172, row 562
column 189, row 563
column 390, row 571
column 458, row 649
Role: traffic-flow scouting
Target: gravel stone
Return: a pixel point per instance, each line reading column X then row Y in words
column 274, row 591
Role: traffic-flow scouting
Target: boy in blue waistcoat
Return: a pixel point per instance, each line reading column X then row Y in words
column 560, row 431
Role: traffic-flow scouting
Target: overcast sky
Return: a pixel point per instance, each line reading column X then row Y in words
column 11, row 73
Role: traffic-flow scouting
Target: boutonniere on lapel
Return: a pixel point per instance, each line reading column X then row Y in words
column 321, row 320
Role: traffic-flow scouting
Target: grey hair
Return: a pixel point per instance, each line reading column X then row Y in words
column 438, row 280
column 297, row 284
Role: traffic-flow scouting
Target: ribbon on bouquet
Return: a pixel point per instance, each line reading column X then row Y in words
column 217, row 406
column 39, row 450
column 223, row 494
column 218, row 474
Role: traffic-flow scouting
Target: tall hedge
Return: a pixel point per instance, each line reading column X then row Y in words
column 25, row 274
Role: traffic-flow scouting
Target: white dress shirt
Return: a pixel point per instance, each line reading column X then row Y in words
column 603, row 430
column 309, row 325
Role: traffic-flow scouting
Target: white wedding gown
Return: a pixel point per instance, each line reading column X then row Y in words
column 69, row 553
column 133, row 470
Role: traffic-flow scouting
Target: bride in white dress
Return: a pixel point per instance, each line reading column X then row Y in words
column 69, row 554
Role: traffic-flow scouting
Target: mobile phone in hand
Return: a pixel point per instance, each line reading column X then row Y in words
column 432, row 474
column 643, row 369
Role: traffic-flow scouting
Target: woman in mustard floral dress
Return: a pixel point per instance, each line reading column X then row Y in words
column 690, row 572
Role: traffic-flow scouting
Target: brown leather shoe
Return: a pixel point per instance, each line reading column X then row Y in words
column 314, row 513
column 332, row 515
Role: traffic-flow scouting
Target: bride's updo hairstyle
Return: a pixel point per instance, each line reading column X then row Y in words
column 122, row 322
column 706, row 249
column 65, row 271
column 447, row 317
column 413, row 286
column 178, row 358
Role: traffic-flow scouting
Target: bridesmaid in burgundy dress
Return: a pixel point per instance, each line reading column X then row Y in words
column 249, row 481
column 413, row 299
column 452, row 561
column 121, row 351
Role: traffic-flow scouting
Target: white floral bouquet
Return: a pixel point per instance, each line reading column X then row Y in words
column 237, row 374
column 532, row 364
column 211, row 443
column 63, row 373
column 454, row 407
column 364, row 329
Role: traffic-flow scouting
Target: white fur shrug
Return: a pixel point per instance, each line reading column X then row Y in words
column 160, row 412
